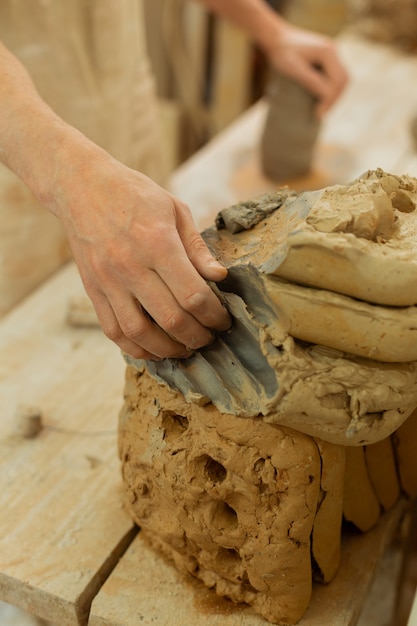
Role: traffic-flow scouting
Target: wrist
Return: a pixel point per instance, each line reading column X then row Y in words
column 51, row 157
column 273, row 33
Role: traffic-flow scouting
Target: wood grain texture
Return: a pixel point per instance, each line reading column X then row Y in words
column 62, row 525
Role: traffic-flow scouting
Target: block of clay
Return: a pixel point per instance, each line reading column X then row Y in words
column 326, row 536
column 355, row 239
column 258, row 368
column 360, row 504
column 290, row 131
column 241, row 462
column 308, row 354
column 382, row 471
column 376, row 332
column 231, row 500
column 405, row 446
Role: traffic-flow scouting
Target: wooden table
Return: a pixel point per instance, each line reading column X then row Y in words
column 68, row 551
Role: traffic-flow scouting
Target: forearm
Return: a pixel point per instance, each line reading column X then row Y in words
column 34, row 141
column 255, row 17
column 309, row 58
column 130, row 238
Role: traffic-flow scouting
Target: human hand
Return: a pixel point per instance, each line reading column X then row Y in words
column 312, row 60
column 142, row 261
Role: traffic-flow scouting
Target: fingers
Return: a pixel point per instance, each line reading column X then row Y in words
column 332, row 79
column 179, row 299
column 324, row 87
column 128, row 325
column 145, row 267
column 195, row 247
column 186, row 310
column 167, row 312
column 313, row 61
column 323, row 75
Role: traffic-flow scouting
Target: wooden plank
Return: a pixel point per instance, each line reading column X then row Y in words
column 144, row 587
column 170, row 117
column 62, row 525
column 156, row 47
column 232, row 67
column 196, row 17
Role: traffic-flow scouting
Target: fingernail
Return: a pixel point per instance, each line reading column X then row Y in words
column 207, row 342
column 216, row 265
column 186, row 354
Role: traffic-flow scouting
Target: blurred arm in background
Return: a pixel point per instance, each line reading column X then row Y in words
column 308, row 57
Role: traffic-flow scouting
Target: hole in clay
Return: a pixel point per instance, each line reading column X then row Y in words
column 214, row 471
column 246, row 584
column 228, row 556
column 224, row 517
column 143, row 490
column 174, row 425
column 259, row 465
column 402, row 201
column 279, row 348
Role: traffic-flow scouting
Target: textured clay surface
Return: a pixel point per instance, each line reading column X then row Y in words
column 322, row 292
column 241, row 462
column 231, row 500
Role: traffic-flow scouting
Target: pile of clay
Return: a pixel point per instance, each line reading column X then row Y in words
column 241, row 463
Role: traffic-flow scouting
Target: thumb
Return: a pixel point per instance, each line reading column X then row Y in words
column 202, row 259
column 196, row 249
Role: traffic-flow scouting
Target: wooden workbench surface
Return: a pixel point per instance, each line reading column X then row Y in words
column 63, row 530
column 62, row 526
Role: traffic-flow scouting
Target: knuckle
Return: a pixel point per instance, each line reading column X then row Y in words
column 112, row 331
column 197, row 244
column 197, row 302
column 197, row 240
column 173, row 322
column 136, row 331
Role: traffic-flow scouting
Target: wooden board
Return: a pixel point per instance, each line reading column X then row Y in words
column 62, row 526
column 233, row 55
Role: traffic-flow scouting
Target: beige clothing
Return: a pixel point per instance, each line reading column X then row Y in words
column 88, row 61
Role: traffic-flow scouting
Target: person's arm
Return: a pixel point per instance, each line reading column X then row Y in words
column 141, row 259
column 308, row 57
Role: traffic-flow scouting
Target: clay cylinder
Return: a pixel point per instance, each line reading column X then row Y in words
column 290, row 131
